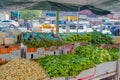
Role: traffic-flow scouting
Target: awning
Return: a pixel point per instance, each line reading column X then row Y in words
column 110, row 5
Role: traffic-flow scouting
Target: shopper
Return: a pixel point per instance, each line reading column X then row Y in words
column 29, row 25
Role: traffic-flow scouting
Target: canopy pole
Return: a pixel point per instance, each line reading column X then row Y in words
column 18, row 15
column 117, row 77
column 78, row 18
column 57, row 21
column 118, row 70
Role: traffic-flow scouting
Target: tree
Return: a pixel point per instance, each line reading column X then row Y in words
column 30, row 14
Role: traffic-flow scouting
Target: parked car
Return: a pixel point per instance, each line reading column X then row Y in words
column 9, row 23
column 115, row 30
column 1, row 25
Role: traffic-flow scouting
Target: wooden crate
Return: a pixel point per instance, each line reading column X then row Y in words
column 116, row 40
column 1, row 41
column 47, row 49
column 0, row 60
column 9, row 41
column 3, row 34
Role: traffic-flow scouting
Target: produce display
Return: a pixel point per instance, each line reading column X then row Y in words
column 97, row 55
column 114, row 53
column 22, row 69
column 84, row 57
column 70, row 38
column 99, row 38
column 65, row 65
column 36, row 40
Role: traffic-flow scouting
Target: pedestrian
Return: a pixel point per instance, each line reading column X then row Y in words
column 23, row 51
column 101, row 29
column 118, row 31
column 29, row 25
column 61, row 51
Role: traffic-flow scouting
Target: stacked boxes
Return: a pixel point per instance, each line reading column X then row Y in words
column 41, row 51
column 14, row 51
column 31, row 53
column 5, row 53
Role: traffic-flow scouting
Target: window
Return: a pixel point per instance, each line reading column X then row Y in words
column 80, row 27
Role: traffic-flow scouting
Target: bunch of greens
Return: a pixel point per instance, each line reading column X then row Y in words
column 114, row 53
column 99, row 38
column 65, row 65
column 34, row 39
column 97, row 55
column 84, row 57
column 70, row 38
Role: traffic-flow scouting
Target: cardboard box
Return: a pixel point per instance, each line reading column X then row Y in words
column 3, row 34
column 9, row 41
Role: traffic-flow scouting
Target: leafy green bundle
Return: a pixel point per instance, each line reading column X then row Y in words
column 84, row 57
column 70, row 38
column 34, row 39
column 99, row 38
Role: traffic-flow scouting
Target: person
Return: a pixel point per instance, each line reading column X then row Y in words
column 67, row 29
column 29, row 25
column 61, row 51
column 118, row 31
column 101, row 28
column 23, row 51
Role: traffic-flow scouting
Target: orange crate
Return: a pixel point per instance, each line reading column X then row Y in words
column 2, row 46
column 15, row 47
column 5, row 50
column 31, row 50
column 0, row 60
column 47, row 49
column 56, row 48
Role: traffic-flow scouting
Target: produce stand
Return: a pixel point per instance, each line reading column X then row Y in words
column 107, row 68
column 106, row 64
column 69, row 42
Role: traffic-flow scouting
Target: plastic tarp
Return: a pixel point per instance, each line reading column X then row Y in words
column 54, row 6
column 10, row 3
column 110, row 5
column 61, row 5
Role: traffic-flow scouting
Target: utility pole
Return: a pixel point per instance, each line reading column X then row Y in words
column 78, row 18
column 57, row 21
